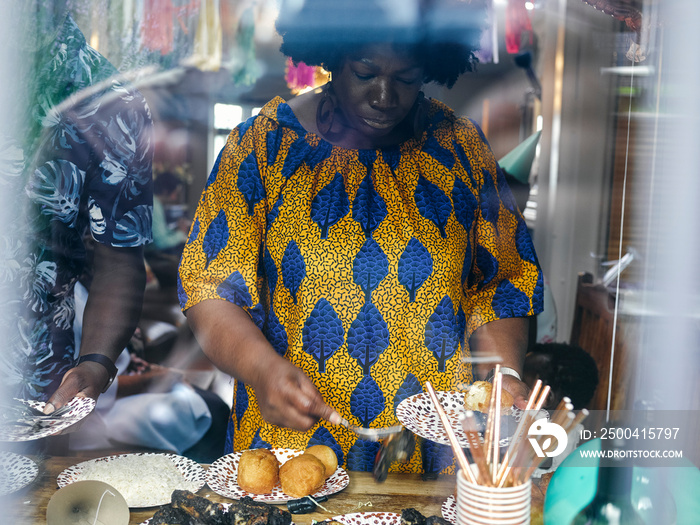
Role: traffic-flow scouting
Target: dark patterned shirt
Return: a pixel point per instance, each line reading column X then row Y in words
column 81, row 164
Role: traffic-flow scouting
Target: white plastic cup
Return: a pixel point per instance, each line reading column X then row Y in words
column 478, row 499
column 496, row 521
column 483, row 505
column 472, row 491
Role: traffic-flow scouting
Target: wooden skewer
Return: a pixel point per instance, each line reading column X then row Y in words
column 527, row 452
column 519, row 429
column 561, row 407
column 488, row 435
column 562, row 403
column 541, row 401
column 535, row 461
column 561, row 413
column 497, row 385
column 572, row 420
column 521, row 451
column 583, row 414
column 475, row 447
column 569, row 425
column 456, row 447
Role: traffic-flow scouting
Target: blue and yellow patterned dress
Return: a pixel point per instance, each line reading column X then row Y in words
column 368, row 269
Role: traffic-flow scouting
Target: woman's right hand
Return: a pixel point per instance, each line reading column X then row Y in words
column 288, row 398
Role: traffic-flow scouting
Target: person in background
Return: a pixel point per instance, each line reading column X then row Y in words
column 167, row 190
column 163, row 255
column 357, row 241
column 570, row 372
column 568, row 369
column 81, row 161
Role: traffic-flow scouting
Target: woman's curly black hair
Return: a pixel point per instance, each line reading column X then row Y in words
column 442, row 34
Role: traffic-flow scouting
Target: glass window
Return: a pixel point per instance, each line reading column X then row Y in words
column 607, row 187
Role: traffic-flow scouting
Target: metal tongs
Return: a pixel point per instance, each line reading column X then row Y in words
column 396, row 448
column 371, row 434
column 397, row 445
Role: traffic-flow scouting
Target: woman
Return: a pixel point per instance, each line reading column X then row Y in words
column 349, row 243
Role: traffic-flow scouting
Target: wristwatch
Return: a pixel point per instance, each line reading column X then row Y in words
column 506, row 371
column 104, row 361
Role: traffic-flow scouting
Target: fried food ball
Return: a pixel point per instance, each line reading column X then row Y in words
column 302, row 475
column 258, row 471
column 479, row 397
column 327, row 457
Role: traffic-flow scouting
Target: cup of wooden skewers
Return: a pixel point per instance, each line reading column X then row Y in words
column 479, row 504
column 494, row 486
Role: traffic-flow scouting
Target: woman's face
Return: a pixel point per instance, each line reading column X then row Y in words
column 376, row 89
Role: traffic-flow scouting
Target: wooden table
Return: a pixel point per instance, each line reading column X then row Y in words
column 363, row 494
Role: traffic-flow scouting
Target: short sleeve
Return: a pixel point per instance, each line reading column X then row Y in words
column 505, row 279
column 221, row 256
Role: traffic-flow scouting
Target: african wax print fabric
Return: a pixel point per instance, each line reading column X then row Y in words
column 368, row 269
column 80, row 164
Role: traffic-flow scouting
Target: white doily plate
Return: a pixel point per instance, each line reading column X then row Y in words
column 417, row 413
column 449, row 509
column 31, row 427
column 16, row 472
column 191, row 471
column 369, row 518
column 223, row 473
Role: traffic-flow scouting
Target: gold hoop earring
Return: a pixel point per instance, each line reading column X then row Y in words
column 420, row 116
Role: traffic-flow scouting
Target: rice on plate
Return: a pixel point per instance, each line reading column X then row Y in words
column 145, row 480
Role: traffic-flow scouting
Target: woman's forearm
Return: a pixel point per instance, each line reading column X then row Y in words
column 506, row 339
column 230, row 339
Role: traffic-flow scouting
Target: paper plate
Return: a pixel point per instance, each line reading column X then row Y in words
column 449, row 509
column 37, row 427
column 222, row 477
column 194, row 477
column 87, row 502
column 369, row 518
column 16, row 472
column 417, row 413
